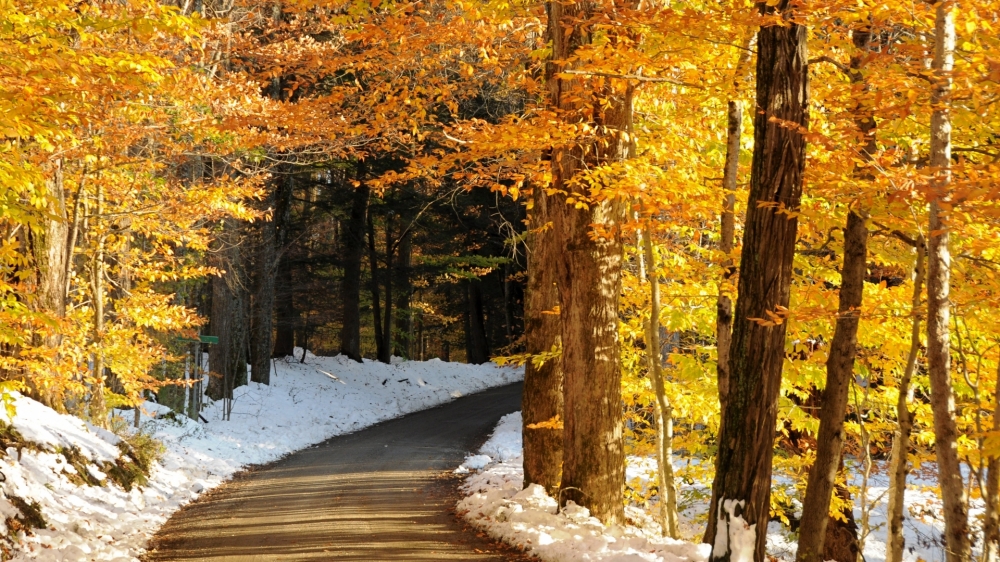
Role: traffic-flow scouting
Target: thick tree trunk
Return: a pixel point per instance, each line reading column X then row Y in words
column 664, row 415
column 740, row 506
column 51, row 255
column 350, row 290
column 542, row 399
column 268, row 238
column 477, row 346
column 899, row 463
column 956, row 516
column 588, row 270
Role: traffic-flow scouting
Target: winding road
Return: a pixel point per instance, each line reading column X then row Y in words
column 382, row 494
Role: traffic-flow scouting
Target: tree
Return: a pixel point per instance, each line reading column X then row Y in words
column 542, row 400
column 956, row 517
column 740, row 505
column 588, row 270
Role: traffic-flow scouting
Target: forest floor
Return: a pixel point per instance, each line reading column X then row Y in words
column 60, row 499
column 496, row 504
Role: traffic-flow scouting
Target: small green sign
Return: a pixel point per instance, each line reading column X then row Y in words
column 202, row 339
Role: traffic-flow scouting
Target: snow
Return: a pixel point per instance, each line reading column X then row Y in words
column 528, row 518
column 305, row 404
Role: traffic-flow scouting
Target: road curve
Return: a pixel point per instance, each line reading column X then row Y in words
column 381, row 494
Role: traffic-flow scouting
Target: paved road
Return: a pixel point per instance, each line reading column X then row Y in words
column 381, row 494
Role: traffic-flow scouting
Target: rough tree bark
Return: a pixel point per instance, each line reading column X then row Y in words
column 51, row 256
column 730, row 172
column 956, row 517
column 268, row 238
column 991, row 521
column 741, row 491
column 542, row 399
column 843, row 349
column 588, row 270
column 350, row 290
column 229, row 315
column 404, row 333
column 898, row 466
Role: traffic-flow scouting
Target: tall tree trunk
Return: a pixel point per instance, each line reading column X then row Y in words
column 477, row 350
column 839, row 373
column 991, row 521
column 588, row 270
column 898, row 467
column 664, row 414
column 956, row 517
column 286, row 317
column 98, row 408
column 741, row 491
column 404, row 333
column 730, row 173
column 350, row 291
column 542, row 399
column 380, row 342
column 267, row 242
column 51, row 255
column 385, row 355
column 229, row 315
column 843, row 348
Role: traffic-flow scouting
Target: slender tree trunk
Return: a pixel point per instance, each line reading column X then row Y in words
column 588, row 270
column 350, row 291
column 542, row 399
column 98, row 409
column 404, row 333
column 938, row 307
column 385, row 355
column 991, row 521
column 740, row 506
column 899, row 468
column 839, row 373
column 380, row 343
column 730, row 173
column 478, row 351
column 664, row 415
column 843, row 348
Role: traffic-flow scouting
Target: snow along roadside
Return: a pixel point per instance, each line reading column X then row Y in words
column 305, row 404
column 527, row 518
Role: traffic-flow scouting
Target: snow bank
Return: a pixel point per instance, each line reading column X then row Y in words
column 528, row 518
column 305, row 404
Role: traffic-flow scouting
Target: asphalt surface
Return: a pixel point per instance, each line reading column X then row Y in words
column 383, row 493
